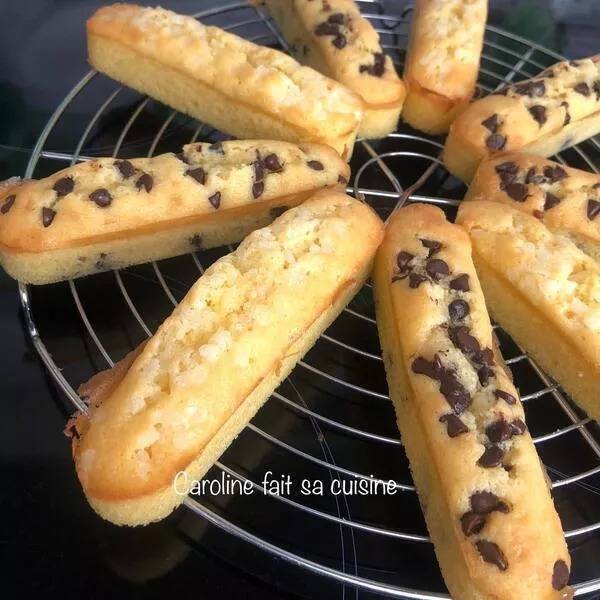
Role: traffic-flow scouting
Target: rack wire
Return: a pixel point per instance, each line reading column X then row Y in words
column 332, row 417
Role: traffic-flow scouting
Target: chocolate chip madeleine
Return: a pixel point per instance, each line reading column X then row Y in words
column 556, row 109
column 544, row 291
column 566, row 200
column 242, row 89
column 111, row 213
column 334, row 38
column 212, row 364
column 480, row 482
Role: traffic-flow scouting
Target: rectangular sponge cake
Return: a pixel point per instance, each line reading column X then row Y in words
column 242, row 89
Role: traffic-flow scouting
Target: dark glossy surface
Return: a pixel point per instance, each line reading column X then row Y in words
column 50, row 540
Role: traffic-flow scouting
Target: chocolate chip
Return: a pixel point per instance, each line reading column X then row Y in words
column 101, row 197
column 377, row 68
column 538, row 214
column 532, row 176
column 64, row 186
column 342, row 180
column 567, row 115
column 508, row 398
column 582, row 88
column 463, row 340
column 560, row 575
column 403, row 261
column 326, row 28
column 437, row 268
column 491, row 457
column 272, row 163
column 48, row 215
column 217, row 147
column 455, row 393
column 596, row 88
column 277, row 211
column 259, row 169
column 257, row 189
column 507, row 167
column 486, row 357
column 415, row 280
column 484, row 374
column 506, row 178
column 199, row 174
column 458, row 310
column 518, row 427
column 183, row 158
column 215, row 199
column 593, row 208
column 555, row 173
column 538, row 112
column 433, row 246
column 472, row 523
column 315, row 165
column 491, row 554
column 496, row 141
column 550, row 201
column 517, row 191
column 145, row 181
column 125, row 168
column 432, row 369
column 379, row 64
column 460, row 283
column 484, row 503
column 533, row 89
column 499, row 431
column 337, row 18
column 8, row 203
column 454, row 426
column 196, row 241
column 491, row 123
column 340, row 41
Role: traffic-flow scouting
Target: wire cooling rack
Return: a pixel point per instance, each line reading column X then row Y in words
column 331, row 421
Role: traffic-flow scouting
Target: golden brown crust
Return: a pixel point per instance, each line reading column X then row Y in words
column 335, row 39
column 179, row 392
column 442, row 61
column 566, row 200
column 418, row 319
column 544, row 291
column 242, row 74
column 97, row 206
column 429, row 111
column 526, row 116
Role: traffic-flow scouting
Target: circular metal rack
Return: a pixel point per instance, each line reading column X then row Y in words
column 331, row 420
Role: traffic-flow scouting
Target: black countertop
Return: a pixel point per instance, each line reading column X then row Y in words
column 50, row 540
